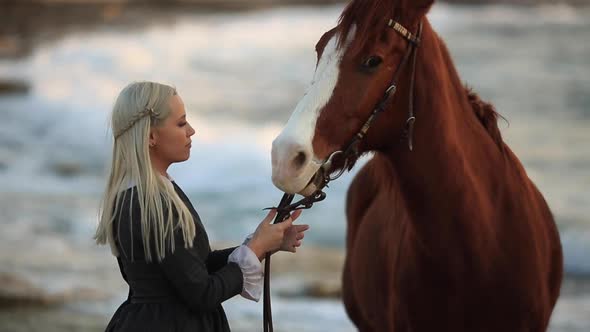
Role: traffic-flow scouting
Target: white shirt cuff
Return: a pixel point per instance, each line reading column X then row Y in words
column 251, row 270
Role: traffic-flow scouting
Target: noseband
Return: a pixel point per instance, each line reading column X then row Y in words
column 322, row 177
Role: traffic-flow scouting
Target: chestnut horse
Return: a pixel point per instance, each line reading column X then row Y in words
column 446, row 232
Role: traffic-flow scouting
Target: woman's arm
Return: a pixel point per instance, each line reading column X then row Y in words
column 218, row 258
column 190, row 277
column 249, row 263
column 240, row 273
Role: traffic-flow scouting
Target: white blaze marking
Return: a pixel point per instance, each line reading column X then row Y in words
column 299, row 130
column 301, row 125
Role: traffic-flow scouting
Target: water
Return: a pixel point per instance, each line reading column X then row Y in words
column 240, row 75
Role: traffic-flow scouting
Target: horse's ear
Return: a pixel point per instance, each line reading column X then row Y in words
column 418, row 8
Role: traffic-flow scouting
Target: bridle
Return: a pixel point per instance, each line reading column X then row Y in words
column 351, row 152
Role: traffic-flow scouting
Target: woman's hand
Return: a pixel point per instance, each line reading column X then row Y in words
column 269, row 237
column 283, row 236
column 293, row 235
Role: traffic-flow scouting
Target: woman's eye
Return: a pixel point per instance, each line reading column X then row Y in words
column 182, row 124
column 372, row 62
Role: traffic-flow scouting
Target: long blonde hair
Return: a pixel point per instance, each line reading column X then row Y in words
column 140, row 106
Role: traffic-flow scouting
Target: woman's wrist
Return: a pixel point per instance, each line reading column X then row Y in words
column 259, row 252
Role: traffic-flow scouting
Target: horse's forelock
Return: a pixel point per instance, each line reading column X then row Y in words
column 371, row 17
column 367, row 17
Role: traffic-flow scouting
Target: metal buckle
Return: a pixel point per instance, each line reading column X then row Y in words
column 391, row 89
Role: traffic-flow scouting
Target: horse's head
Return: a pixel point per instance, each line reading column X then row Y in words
column 356, row 62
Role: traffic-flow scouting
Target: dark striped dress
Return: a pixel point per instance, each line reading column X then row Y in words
column 184, row 292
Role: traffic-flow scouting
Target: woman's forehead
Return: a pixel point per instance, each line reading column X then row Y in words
column 176, row 106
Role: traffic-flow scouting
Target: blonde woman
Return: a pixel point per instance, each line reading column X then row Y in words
column 176, row 282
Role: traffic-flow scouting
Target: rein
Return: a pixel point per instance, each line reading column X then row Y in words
column 322, row 176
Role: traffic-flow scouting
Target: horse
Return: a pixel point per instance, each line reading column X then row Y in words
column 445, row 230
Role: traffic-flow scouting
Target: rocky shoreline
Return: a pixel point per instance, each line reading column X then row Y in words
column 26, row 24
column 53, row 313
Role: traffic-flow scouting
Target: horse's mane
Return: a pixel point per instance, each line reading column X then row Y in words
column 484, row 111
column 487, row 115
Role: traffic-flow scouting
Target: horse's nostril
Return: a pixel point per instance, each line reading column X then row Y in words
column 299, row 160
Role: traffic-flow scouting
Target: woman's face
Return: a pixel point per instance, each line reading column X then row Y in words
column 171, row 141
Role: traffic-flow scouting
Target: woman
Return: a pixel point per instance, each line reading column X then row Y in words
column 176, row 282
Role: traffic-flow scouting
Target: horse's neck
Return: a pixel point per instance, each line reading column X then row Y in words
column 455, row 163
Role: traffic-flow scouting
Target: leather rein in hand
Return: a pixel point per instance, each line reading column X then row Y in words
column 322, row 176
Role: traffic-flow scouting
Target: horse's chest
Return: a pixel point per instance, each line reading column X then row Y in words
column 379, row 255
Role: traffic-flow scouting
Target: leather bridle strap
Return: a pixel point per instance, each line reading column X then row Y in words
column 282, row 215
column 352, row 147
column 409, row 129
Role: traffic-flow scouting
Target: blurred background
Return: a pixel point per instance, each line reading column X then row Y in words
column 241, row 67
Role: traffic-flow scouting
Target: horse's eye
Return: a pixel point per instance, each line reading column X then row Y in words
column 372, row 62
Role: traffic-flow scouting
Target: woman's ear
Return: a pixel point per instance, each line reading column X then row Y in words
column 153, row 137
